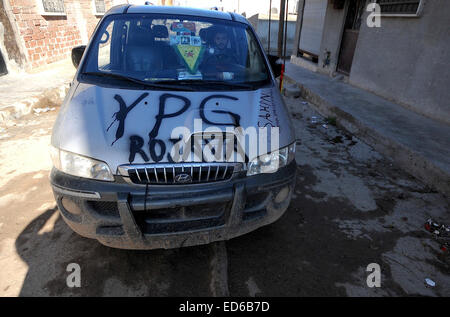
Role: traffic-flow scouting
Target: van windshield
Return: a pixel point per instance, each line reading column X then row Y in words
column 167, row 49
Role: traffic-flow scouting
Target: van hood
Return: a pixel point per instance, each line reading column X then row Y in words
column 110, row 124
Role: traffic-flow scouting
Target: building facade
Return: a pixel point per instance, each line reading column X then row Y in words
column 40, row 32
column 403, row 59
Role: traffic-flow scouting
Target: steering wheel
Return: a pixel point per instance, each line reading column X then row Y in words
column 218, row 63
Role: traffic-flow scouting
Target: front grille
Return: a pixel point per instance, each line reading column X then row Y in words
column 186, row 173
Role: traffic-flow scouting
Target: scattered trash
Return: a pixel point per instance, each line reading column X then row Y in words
column 325, row 126
column 304, row 103
column 430, row 282
column 42, row 110
column 441, row 233
column 314, row 119
column 437, row 229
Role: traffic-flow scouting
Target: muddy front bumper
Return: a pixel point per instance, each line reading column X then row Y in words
column 118, row 215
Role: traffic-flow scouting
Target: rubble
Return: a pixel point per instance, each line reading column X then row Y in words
column 430, row 282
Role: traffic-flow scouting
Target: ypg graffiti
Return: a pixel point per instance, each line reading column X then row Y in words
column 121, row 115
column 235, row 117
column 156, row 147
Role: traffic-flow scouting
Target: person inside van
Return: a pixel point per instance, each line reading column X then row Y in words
column 219, row 56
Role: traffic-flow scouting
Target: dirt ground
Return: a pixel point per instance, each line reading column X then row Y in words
column 351, row 207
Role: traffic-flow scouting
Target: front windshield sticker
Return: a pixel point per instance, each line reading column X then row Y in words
column 191, row 55
column 157, row 147
column 188, row 75
column 183, row 28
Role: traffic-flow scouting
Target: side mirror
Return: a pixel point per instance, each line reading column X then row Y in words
column 77, row 54
column 276, row 67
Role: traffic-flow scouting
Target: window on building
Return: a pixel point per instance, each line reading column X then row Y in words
column 396, row 7
column 99, row 6
column 53, row 6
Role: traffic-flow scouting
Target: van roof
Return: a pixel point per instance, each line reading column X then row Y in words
column 175, row 10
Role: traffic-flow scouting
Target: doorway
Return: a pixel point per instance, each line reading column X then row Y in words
column 3, row 69
column 350, row 35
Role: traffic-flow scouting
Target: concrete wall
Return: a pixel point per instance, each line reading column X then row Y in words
column 261, row 25
column 47, row 39
column 406, row 60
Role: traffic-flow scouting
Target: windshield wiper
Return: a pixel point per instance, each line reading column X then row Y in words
column 138, row 81
column 186, row 82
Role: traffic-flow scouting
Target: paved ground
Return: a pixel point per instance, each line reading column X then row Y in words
column 417, row 144
column 351, row 207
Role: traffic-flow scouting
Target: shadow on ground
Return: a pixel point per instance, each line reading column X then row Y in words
column 48, row 245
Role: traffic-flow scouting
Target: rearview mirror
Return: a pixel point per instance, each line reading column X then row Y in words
column 276, row 66
column 77, row 54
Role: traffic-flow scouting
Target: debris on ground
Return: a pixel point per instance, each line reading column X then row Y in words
column 441, row 233
column 430, row 282
column 440, row 230
column 43, row 110
column 314, row 120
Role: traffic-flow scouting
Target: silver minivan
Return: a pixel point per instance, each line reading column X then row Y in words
column 173, row 132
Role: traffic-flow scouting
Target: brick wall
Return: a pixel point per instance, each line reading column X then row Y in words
column 47, row 39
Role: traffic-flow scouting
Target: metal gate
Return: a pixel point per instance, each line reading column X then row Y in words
column 312, row 27
column 350, row 36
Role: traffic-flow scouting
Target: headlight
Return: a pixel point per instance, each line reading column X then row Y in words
column 270, row 163
column 81, row 166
